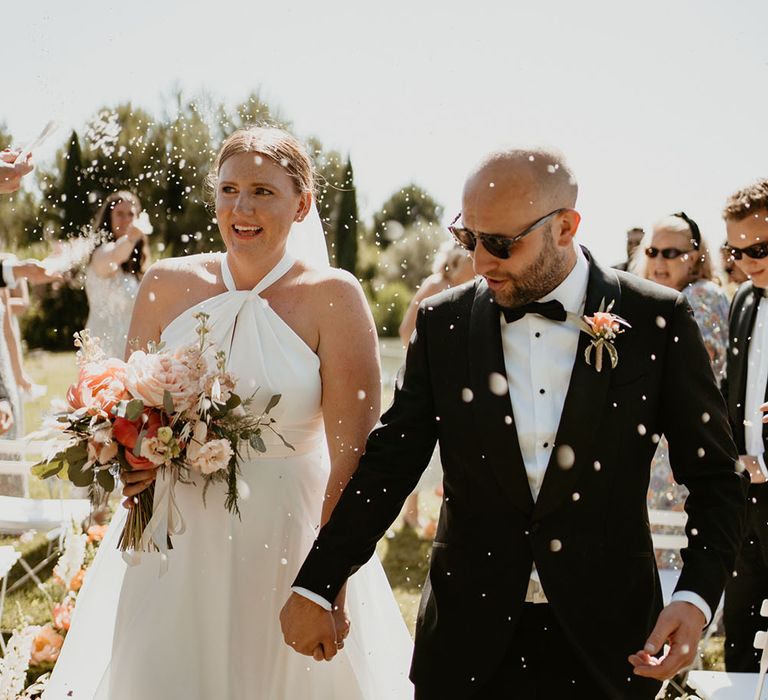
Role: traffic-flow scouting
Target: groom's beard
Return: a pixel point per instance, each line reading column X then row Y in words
column 545, row 273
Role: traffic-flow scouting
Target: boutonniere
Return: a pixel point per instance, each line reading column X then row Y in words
column 602, row 327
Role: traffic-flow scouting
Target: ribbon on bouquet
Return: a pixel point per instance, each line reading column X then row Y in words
column 166, row 521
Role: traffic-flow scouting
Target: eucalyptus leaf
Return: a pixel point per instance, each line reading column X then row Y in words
column 273, row 402
column 76, row 452
column 44, row 470
column 79, row 476
column 134, row 409
column 105, row 479
column 168, row 403
column 232, row 402
column 137, row 446
column 257, row 443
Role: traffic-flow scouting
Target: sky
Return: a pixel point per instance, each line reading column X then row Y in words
column 658, row 105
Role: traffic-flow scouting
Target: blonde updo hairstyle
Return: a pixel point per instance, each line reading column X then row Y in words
column 277, row 145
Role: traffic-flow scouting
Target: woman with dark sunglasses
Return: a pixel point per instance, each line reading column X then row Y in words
column 675, row 255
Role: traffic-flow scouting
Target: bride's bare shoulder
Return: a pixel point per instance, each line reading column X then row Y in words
column 330, row 289
column 173, row 285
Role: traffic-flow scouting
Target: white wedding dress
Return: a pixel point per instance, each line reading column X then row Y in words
column 208, row 629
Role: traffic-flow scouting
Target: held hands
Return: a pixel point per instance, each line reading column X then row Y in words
column 35, row 272
column 311, row 630
column 680, row 625
column 752, row 467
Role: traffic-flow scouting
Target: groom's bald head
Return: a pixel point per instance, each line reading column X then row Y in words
column 537, row 179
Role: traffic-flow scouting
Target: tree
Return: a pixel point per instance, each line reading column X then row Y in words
column 75, row 209
column 409, row 206
column 346, row 223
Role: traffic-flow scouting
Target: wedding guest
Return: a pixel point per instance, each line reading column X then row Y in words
column 634, row 238
column 452, row 267
column 733, row 276
column 115, row 270
column 675, row 255
column 746, row 222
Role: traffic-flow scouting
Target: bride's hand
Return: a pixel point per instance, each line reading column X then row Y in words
column 134, row 482
column 341, row 618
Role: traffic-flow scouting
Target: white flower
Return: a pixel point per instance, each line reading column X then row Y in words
column 71, row 559
column 14, row 665
column 212, row 456
column 155, row 450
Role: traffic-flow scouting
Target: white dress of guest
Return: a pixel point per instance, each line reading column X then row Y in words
column 110, row 304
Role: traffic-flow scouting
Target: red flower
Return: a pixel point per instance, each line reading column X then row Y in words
column 126, row 432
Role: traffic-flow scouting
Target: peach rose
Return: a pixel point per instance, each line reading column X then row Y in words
column 102, row 452
column 212, row 456
column 62, row 615
column 149, row 376
column 46, row 647
column 99, row 387
column 77, row 581
column 602, row 320
column 96, row 533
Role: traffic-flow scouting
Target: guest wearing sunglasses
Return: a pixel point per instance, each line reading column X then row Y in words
column 674, row 254
column 746, row 222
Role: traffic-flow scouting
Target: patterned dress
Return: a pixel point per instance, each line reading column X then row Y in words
column 710, row 309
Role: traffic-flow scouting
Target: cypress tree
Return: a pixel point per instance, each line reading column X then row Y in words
column 75, row 209
column 346, row 223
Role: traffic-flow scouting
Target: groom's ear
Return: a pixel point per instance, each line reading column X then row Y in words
column 569, row 224
column 305, row 202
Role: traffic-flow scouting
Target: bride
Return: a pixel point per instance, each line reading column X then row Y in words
column 291, row 325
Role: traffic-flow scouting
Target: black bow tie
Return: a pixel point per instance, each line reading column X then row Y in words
column 759, row 292
column 552, row 310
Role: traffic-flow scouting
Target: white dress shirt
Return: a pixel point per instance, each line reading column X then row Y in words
column 538, row 359
column 757, row 379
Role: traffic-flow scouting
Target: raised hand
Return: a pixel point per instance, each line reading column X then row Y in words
column 680, row 625
column 11, row 171
column 308, row 628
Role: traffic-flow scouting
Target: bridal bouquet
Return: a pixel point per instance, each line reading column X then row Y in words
column 175, row 410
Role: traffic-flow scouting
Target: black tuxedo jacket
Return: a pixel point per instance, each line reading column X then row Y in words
column 741, row 325
column 588, row 530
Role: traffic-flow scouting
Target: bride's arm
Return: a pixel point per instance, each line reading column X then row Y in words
column 350, row 372
column 351, row 378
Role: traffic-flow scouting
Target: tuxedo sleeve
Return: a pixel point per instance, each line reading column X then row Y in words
column 703, row 457
column 397, row 452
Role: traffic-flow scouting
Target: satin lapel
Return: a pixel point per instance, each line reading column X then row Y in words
column 584, row 405
column 493, row 411
column 737, row 364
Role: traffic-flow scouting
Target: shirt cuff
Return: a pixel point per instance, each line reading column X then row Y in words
column 8, row 277
column 693, row 599
column 761, row 462
column 322, row 602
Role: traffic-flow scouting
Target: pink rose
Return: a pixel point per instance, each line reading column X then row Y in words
column 99, row 387
column 46, row 647
column 149, row 376
column 603, row 320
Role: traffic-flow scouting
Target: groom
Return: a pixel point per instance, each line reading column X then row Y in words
column 543, row 580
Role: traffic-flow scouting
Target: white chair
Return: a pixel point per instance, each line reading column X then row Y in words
column 713, row 685
column 19, row 514
column 8, row 557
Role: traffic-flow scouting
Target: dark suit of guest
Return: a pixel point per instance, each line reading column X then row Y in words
column 745, row 384
column 586, row 531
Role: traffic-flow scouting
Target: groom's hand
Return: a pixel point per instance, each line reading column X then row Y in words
column 308, row 628
column 680, row 625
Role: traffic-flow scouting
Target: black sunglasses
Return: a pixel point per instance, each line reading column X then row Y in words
column 496, row 244
column 756, row 251
column 666, row 253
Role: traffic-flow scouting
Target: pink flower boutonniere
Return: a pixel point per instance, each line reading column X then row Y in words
column 602, row 327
